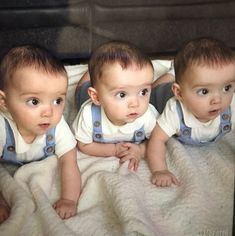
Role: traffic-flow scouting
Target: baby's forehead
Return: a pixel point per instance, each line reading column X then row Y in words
column 33, row 81
column 32, row 74
column 28, row 69
column 111, row 69
column 209, row 75
column 123, row 67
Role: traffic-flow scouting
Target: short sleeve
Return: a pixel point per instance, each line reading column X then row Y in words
column 82, row 125
column 150, row 119
column 168, row 120
column 233, row 111
column 64, row 138
column 2, row 135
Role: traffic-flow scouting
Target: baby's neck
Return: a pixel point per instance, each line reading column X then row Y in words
column 29, row 138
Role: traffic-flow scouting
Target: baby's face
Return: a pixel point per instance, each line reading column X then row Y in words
column 35, row 100
column 124, row 93
column 208, row 91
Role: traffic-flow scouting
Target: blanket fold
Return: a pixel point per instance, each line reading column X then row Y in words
column 117, row 201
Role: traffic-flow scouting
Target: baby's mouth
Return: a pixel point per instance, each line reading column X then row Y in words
column 44, row 125
column 132, row 115
column 214, row 112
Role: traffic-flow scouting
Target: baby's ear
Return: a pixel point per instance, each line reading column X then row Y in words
column 94, row 95
column 177, row 91
column 2, row 100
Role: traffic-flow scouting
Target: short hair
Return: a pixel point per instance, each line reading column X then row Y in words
column 202, row 52
column 121, row 52
column 29, row 56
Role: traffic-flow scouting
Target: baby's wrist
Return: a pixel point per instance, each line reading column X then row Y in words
column 140, row 152
column 75, row 202
column 115, row 149
column 160, row 171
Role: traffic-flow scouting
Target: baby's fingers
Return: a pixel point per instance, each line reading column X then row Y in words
column 133, row 164
column 123, row 155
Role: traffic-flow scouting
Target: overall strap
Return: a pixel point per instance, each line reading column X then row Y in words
column 96, row 121
column 225, row 121
column 139, row 135
column 185, row 131
column 49, row 149
column 9, row 154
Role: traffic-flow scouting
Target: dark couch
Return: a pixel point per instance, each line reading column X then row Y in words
column 73, row 28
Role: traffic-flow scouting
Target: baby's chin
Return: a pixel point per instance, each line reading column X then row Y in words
column 121, row 122
column 209, row 117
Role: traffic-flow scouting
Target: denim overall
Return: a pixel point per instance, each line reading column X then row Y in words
column 185, row 131
column 138, row 137
column 9, row 154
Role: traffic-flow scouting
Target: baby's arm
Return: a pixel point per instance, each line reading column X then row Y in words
column 4, row 210
column 156, row 157
column 101, row 149
column 166, row 78
column 124, row 151
column 66, row 206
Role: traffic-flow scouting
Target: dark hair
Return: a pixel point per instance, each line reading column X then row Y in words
column 200, row 52
column 28, row 56
column 120, row 52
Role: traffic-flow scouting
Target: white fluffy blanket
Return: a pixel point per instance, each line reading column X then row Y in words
column 115, row 201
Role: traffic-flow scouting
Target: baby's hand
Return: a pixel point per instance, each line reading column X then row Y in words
column 65, row 208
column 164, row 178
column 133, row 153
column 120, row 150
column 4, row 212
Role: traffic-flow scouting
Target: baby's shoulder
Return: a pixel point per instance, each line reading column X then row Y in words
column 86, row 107
column 233, row 103
column 152, row 111
column 171, row 105
column 2, row 121
column 3, row 132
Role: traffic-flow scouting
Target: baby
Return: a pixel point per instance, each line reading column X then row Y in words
column 33, row 86
column 202, row 108
column 118, row 117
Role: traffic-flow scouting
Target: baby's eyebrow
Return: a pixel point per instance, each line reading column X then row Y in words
column 202, row 85
column 232, row 80
column 32, row 94
column 62, row 94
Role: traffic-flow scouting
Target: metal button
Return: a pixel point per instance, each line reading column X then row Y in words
column 98, row 136
column 139, row 134
column 50, row 149
column 11, row 148
column 96, row 123
column 50, row 137
column 225, row 116
column 186, row 132
column 227, row 128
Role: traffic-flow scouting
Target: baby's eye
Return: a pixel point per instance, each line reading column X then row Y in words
column 33, row 102
column 202, row 91
column 227, row 88
column 121, row 95
column 58, row 101
column 144, row 92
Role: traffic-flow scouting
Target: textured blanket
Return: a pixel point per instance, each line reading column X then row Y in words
column 116, row 201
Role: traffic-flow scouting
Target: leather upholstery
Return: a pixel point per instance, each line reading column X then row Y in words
column 73, row 28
